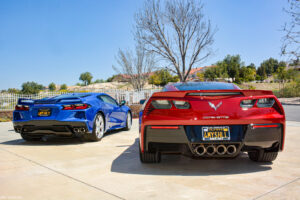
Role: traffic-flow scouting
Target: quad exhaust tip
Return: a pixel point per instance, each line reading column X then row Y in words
column 210, row 150
column 221, row 150
column 200, row 150
column 231, row 149
column 76, row 130
column 79, row 130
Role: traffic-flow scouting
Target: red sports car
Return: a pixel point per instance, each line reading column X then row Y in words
column 211, row 119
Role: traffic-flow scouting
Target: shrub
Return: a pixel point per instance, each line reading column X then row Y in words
column 291, row 89
column 31, row 88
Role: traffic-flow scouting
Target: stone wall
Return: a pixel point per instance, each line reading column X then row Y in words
column 6, row 115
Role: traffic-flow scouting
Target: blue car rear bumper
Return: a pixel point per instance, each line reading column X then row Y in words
column 51, row 127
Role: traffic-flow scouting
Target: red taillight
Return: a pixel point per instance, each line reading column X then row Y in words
column 22, row 107
column 75, row 107
column 265, row 126
column 164, row 127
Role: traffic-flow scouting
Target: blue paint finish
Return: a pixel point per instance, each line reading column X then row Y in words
column 115, row 115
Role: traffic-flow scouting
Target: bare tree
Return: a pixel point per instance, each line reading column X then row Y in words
column 177, row 31
column 136, row 67
column 291, row 39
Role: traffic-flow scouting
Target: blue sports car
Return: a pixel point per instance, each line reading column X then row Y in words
column 87, row 115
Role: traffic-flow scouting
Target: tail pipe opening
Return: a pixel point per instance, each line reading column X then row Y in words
column 200, row 150
column 211, row 150
column 231, row 149
column 221, row 150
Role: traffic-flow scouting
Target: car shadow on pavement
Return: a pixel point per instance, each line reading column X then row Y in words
column 55, row 141
column 128, row 162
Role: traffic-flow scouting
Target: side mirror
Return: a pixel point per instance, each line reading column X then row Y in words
column 122, row 103
column 142, row 101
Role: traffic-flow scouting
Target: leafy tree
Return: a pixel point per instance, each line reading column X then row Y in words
column 99, row 81
column 31, row 88
column 63, row 87
column 52, row 86
column 162, row 77
column 200, row 76
column 247, row 73
column 13, row 90
column 86, row 78
column 252, row 66
column 261, row 73
column 110, row 79
column 230, row 67
column 281, row 74
column 212, row 73
column 268, row 67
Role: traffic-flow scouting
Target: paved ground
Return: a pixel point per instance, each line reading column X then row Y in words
column 110, row 169
column 292, row 112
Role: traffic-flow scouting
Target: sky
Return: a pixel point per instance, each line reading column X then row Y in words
column 56, row 40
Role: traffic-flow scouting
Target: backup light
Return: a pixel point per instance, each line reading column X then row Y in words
column 181, row 104
column 161, row 104
column 265, row 102
column 248, row 103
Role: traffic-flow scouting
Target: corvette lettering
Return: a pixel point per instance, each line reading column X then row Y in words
column 216, row 117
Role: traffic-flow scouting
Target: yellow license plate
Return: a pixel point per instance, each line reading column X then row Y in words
column 44, row 112
column 215, row 133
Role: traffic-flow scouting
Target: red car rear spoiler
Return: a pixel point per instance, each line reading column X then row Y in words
column 246, row 93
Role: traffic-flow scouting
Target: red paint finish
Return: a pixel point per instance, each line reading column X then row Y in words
column 202, row 112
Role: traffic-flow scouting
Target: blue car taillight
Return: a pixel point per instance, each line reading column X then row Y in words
column 80, row 106
column 22, row 107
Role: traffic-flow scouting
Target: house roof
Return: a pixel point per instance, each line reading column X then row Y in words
column 195, row 70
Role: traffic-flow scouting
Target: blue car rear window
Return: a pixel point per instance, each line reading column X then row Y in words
column 204, row 86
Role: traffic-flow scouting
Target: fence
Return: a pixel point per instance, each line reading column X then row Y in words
column 8, row 101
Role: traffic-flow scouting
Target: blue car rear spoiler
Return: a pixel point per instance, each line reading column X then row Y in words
column 24, row 101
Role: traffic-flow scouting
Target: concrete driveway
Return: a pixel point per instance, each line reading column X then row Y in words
column 110, row 169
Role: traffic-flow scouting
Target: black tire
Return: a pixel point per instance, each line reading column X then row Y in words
column 262, row 156
column 30, row 138
column 128, row 125
column 95, row 136
column 147, row 157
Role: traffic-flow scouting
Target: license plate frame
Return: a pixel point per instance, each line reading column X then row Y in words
column 216, row 133
column 44, row 112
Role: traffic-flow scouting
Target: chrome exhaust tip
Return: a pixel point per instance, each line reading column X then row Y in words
column 231, row 149
column 221, row 149
column 200, row 150
column 76, row 130
column 82, row 130
column 211, row 150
